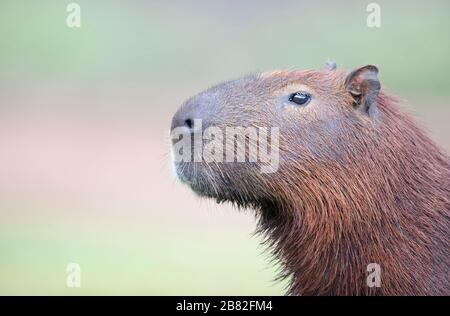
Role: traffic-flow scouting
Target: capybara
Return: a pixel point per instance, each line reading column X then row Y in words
column 359, row 201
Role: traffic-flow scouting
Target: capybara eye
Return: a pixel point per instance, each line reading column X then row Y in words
column 300, row 98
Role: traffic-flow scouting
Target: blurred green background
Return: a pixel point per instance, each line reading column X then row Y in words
column 84, row 118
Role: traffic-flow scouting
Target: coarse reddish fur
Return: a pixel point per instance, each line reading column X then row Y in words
column 365, row 189
column 390, row 205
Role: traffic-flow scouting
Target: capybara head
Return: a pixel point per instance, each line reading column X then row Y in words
column 276, row 127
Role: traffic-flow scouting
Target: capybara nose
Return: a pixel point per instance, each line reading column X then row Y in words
column 181, row 119
column 196, row 115
column 187, row 119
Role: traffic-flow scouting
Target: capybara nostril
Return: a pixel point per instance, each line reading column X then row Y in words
column 195, row 115
column 189, row 123
column 184, row 119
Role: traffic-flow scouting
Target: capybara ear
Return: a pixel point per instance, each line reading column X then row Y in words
column 330, row 65
column 364, row 86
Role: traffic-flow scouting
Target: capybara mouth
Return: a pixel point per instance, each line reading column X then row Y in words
column 212, row 181
column 199, row 180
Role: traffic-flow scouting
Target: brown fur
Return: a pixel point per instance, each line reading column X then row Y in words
column 352, row 188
